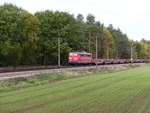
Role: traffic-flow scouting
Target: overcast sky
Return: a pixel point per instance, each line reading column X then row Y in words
column 131, row 16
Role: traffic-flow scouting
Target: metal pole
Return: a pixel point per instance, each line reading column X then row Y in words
column 131, row 53
column 96, row 51
column 58, row 52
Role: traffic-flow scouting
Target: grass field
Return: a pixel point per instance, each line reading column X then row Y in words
column 119, row 92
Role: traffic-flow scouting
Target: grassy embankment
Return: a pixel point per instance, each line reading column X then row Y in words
column 126, row 91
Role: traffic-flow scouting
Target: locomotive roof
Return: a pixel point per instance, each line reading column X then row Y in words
column 81, row 52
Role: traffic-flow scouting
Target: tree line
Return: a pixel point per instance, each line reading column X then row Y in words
column 32, row 39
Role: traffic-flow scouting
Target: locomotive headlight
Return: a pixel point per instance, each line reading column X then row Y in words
column 71, row 54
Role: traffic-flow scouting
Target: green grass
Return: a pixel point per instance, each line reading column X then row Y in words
column 39, row 79
column 126, row 91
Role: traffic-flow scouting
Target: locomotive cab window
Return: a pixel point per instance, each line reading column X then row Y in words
column 85, row 55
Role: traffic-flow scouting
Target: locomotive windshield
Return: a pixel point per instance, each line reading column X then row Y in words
column 85, row 55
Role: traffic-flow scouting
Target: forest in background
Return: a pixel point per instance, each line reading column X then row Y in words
column 32, row 39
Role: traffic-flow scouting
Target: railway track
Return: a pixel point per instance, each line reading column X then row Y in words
column 27, row 68
column 9, row 75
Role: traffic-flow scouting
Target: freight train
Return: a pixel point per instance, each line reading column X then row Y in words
column 79, row 58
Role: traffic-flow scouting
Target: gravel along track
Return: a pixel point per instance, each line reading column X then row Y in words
column 9, row 75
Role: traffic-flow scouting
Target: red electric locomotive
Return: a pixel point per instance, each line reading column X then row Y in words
column 80, row 58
